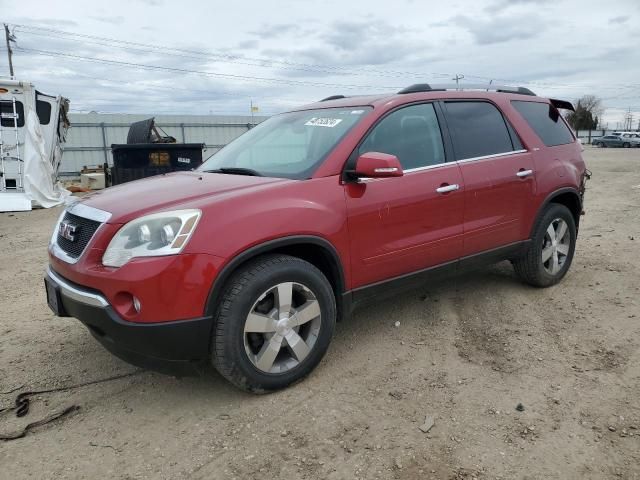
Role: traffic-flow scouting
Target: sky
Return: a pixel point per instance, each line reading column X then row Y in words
column 214, row 57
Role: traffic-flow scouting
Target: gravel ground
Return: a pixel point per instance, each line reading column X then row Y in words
column 466, row 353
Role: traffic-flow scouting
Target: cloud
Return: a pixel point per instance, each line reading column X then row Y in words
column 46, row 22
column 393, row 45
column 248, row 44
column 501, row 5
column 113, row 20
column 619, row 19
column 499, row 29
column 276, row 30
column 349, row 43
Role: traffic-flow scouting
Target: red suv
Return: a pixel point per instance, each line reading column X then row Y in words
column 248, row 261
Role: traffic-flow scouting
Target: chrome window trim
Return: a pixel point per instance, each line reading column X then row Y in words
column 80, row 210
column 427, row 167
column 77, row 294
column 493, row 155
column 411, row 170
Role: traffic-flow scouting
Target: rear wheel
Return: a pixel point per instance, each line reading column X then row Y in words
column 550, row 253
column 626, row 145
column 274, row 323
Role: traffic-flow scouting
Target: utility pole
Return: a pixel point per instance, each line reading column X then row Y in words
column 628, row 120
column 9, row 38
column 457, row 78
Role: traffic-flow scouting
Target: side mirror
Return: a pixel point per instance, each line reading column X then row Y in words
column 378, row 165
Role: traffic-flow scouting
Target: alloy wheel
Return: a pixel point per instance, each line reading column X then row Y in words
column 282, row 327
column 556, row 246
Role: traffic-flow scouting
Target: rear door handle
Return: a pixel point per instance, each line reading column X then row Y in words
column 524, row 173
column 448, row 188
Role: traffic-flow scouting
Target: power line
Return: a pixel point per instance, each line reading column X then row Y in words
column 265, row 62
column 259, row 62
column 280, row 99
column 242, row 60
column 199, row 72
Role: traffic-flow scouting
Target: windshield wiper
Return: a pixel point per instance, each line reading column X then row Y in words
column 235, row 171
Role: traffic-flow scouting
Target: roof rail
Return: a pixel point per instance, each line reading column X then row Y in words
column 333, row 97
column 425, row 87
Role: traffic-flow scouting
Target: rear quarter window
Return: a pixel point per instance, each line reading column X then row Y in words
column 545, row 120
column 478, row 129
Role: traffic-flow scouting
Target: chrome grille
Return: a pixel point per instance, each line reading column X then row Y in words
column 85, row 229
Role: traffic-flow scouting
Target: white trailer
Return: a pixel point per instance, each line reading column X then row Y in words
column 33, row 128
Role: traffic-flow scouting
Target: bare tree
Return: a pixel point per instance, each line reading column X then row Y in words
column 588, row 112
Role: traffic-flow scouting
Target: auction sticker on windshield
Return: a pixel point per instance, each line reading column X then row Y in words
column 323, row 122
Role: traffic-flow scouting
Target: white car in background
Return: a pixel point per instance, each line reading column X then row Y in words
column 633, row 138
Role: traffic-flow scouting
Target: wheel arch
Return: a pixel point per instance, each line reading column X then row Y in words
column 569, row 197
column 313, row 249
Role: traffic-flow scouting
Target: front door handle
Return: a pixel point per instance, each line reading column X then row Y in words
column 448, row 188
column 524, row 173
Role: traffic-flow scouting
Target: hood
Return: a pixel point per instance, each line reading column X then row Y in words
column 171, row 191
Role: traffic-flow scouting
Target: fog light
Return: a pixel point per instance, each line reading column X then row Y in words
column 136, row 304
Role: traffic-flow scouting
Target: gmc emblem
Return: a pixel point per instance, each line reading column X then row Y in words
column 67, row 230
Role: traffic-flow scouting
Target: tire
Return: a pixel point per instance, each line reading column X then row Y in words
column 247, row 330
column 626, row 145
column 532, row 268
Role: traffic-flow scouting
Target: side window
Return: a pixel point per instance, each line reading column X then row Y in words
column 411, row 133
column 478, row 129
column 515, row 140
column 43, row 109
column 545, row 120
column 6, row 109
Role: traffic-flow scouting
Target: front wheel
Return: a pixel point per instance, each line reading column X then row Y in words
column 274, row 323
column 626, row 145
column 550, row 253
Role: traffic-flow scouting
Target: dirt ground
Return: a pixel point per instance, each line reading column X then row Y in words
column 466, row 353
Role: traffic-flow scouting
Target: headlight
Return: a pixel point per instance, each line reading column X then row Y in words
column 164, row 233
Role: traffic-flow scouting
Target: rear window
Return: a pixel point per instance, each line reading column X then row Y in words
column 478, row 129
column 6, row 113
column 545, row 121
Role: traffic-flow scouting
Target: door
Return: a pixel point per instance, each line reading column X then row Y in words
column 498, row 174
column 405, row 224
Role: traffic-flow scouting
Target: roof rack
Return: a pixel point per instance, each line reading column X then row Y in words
column 425, row 87
column 333, row 97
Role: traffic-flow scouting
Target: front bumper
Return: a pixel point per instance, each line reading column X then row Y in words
column 170, row 347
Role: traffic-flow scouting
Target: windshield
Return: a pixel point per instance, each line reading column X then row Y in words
column 289, row 145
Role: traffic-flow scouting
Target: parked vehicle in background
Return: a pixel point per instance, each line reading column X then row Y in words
column 632, row 137
column 617, row 139
column 249, row 261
